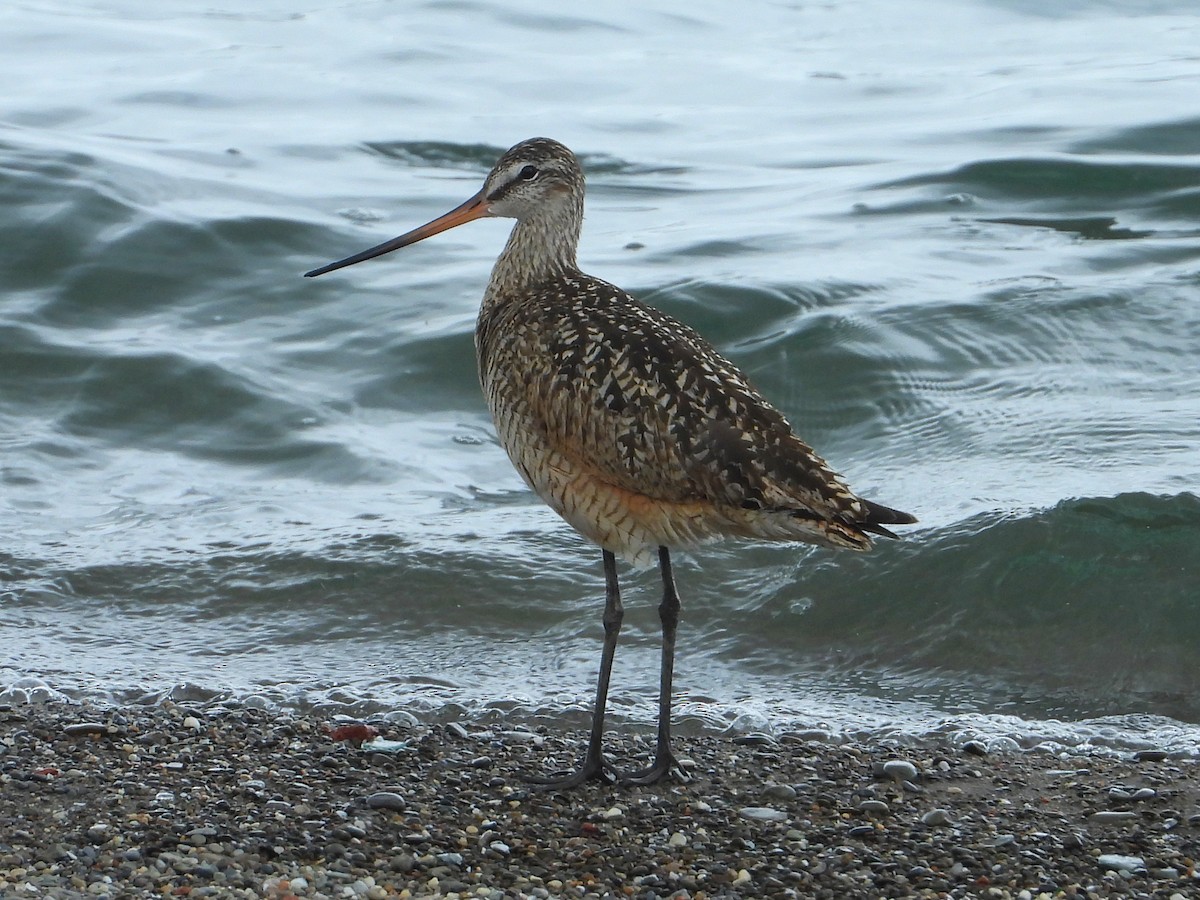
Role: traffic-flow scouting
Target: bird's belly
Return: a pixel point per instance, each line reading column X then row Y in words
column 630, row 524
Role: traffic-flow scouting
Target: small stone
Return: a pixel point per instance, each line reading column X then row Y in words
column 678, row 839
column 936, row 817
column 762, row 814
column 874, row 806
column 458, row 730
column 899, row 770
column 1074, row 840
column 755, row 739
column 384, row 747
column 192, row 723
column 85, row 729
column 1109, row 817
column 743, row 877
column 779, row 792
column 975, row 748
column 387, row 800
column 1145, row 794
column 523, row 737
column 1150, row 755
column 1121, row 863
column 451, row 859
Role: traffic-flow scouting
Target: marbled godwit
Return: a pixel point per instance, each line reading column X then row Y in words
column 627, row 422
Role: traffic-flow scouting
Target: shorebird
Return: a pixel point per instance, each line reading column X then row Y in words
column 625, row 421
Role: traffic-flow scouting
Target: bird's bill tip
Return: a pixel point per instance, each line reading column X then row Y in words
column 475, row 208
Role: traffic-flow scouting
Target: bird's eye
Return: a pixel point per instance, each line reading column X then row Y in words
column 528, row 173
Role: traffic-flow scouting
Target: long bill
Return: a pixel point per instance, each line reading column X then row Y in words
column 475, row 208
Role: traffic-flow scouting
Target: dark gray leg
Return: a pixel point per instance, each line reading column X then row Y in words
column 594, row 766
column 668, row 612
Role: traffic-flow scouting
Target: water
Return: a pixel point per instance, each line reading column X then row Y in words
column 957, row 243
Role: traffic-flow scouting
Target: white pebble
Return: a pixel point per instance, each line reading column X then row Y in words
column 1109, row 816
column 192, row 723
column 677, row 840
column 762, row 813
column 743, row 877
column 936, row 817
column 1120, row 862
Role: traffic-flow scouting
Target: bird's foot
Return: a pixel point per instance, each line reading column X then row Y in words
column 665, row 765
column 594, row 768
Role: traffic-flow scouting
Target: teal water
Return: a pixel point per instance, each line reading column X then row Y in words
column 958, row 244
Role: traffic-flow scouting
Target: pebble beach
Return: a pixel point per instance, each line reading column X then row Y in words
column 170, row 800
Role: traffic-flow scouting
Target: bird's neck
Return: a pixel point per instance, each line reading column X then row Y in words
column 539, row 249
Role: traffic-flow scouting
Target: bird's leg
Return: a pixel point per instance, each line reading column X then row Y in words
column 594, row 766
column 668, row 612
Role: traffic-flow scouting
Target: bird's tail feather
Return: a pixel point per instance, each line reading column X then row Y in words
column 879, row 515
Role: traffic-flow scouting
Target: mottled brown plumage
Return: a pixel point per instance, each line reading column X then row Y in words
column 624, row 420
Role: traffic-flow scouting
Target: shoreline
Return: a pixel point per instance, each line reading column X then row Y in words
column 178, row 800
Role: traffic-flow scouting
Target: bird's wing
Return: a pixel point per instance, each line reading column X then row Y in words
column 646, row 404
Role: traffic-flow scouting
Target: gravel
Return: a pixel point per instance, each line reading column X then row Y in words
column 243, row 802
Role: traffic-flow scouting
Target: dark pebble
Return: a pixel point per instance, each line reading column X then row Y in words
column 1150, row 755
column 755, row 739
column 386, row 800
